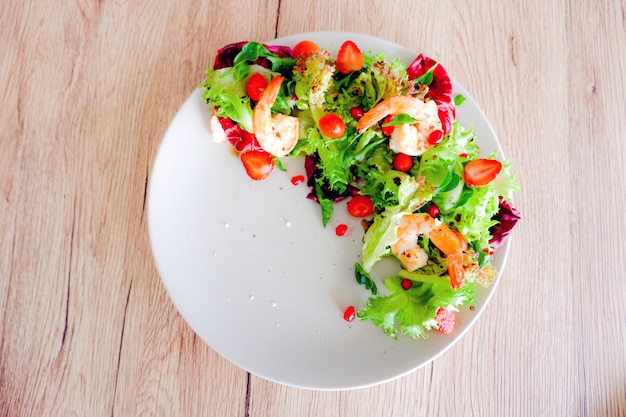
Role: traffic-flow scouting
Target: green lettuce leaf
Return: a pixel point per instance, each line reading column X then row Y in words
column 473, row 215
column 412, row 312
column 381, row 234
column 252, row 51
column 226, row 92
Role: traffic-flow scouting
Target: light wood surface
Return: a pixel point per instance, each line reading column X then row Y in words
column 88, row 89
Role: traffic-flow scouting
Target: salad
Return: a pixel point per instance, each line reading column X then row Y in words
column 382, row 135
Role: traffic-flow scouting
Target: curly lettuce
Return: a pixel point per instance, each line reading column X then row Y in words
column 412, row 312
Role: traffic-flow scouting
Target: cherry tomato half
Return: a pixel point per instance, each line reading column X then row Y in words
column 332, row 126
column 402, row 162
column 360, row 206
column 255, row 86
column 304, row 48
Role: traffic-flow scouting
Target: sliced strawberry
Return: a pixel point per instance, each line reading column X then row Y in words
column 258, row 163
column 349, row 58
column 481, row 172
column 445, row 320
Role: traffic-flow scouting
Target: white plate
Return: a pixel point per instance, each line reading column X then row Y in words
column 256, row 276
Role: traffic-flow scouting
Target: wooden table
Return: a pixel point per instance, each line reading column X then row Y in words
column 88, row 89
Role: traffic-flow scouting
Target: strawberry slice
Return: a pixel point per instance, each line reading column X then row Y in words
column 481, row 172
column 445, row 320
column 257, row 163
column 349, row 58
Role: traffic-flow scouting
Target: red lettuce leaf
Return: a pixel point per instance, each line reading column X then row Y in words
column 226, row 56
column 439, row 90
column 238, row 137
column 314, row 174
column 507, row 217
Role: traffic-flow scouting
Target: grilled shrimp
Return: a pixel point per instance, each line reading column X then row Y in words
column 410, row 139
column 277, row 135
column 414, row 257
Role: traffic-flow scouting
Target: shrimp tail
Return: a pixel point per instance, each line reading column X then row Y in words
column 451, row 244
column 277, row 135
column 455, row 269
column 374, row 115
column 263, row 108
column 389, row 106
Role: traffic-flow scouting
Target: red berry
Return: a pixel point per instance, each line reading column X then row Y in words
column 445, row 320
column 435, row 137
column 349, row 314
column 257, row 163
column 481, row 172
column 349, row 58
column 406, row 284
column 341, row 230
column 433, row 210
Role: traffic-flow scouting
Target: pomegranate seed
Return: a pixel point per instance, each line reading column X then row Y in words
column 433, row 210
column 406, row 284
column 341, row 229
column 349, row 314
column 297, row 179
column 356, row 112
column 435, row 137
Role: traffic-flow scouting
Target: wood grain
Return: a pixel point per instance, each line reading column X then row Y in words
column 88, row 89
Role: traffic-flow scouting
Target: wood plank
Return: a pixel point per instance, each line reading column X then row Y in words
column 88, row 90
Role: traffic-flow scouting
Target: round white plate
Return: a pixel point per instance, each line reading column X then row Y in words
column 251, row 269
